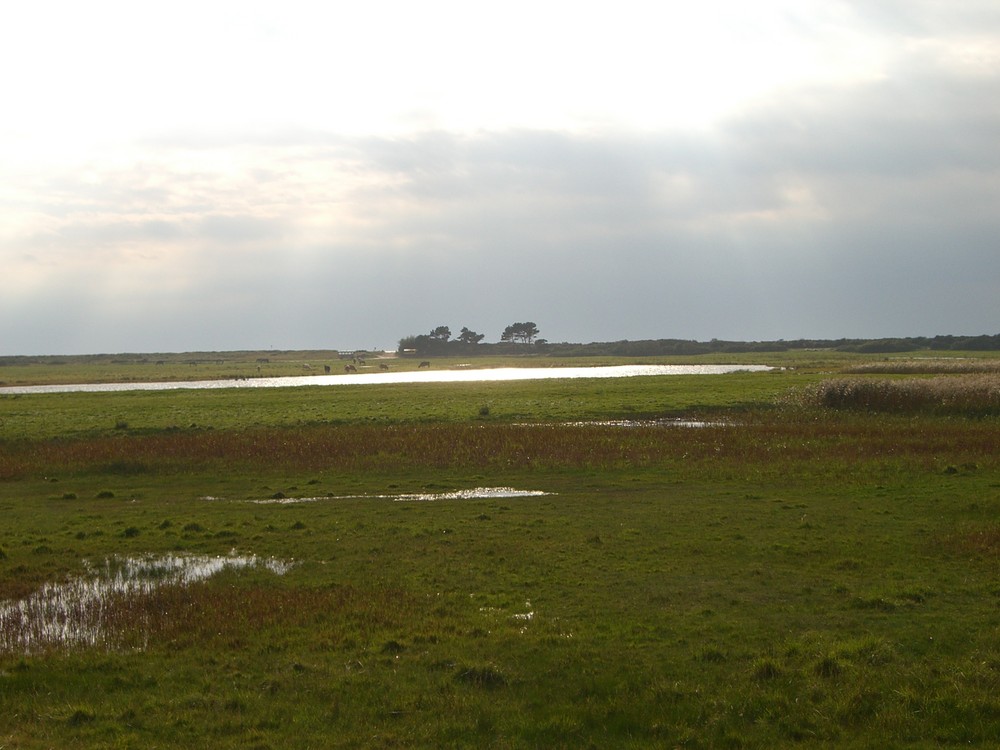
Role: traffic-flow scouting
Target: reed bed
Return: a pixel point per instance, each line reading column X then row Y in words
column 965, row 395
column 926, row 367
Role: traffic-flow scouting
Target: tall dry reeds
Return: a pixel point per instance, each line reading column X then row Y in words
column 968, row 395
column 927, row 367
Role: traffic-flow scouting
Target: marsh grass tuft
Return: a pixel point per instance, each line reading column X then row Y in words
column 829, row 666
column 711, row 655
column 870, row 650
column 487, row 676
column 765, row 669
column 79, row 717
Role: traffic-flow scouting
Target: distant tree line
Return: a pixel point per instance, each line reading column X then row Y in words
column 523, row 338
column 715, row 346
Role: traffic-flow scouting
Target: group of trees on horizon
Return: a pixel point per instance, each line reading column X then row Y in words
column 440, row 342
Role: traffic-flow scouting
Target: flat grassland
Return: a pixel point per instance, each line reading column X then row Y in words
column 816, row 564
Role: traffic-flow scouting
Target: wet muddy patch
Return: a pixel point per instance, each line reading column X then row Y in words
column 93, row 609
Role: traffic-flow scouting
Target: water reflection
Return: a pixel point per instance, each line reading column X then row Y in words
column 643, row 423
column 472, row 494
column 77, row 613
column 421, row 376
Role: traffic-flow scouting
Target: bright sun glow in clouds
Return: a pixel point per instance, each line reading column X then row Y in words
column 118, row 69
column 169, row 170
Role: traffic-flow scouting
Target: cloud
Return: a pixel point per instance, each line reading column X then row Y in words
column 854, row 198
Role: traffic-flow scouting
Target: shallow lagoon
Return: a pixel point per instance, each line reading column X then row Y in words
column 464, row 375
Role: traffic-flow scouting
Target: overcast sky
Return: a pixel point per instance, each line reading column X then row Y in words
column 246, row 175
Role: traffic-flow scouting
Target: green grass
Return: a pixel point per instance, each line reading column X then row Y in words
column 122, row 413
column 796, row 576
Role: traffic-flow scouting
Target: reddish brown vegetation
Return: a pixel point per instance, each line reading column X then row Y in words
column 177, row 616
column 773, row 441
column 978, row 541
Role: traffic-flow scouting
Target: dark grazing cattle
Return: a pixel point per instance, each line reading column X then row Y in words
column 425, row 363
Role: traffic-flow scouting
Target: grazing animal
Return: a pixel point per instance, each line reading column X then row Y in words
column 383, row 366
column 425, row 363
column 350, row 368
column 361, row 361
column 326, row 369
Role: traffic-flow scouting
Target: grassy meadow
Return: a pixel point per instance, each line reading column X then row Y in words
column 816, row 565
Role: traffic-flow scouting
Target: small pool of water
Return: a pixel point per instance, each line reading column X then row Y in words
column 636, row 423
column 473, row 494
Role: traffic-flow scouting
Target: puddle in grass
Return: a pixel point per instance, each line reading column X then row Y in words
column 646, row 423
column 477, row 493
column 473, row 494
column 76, row 613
